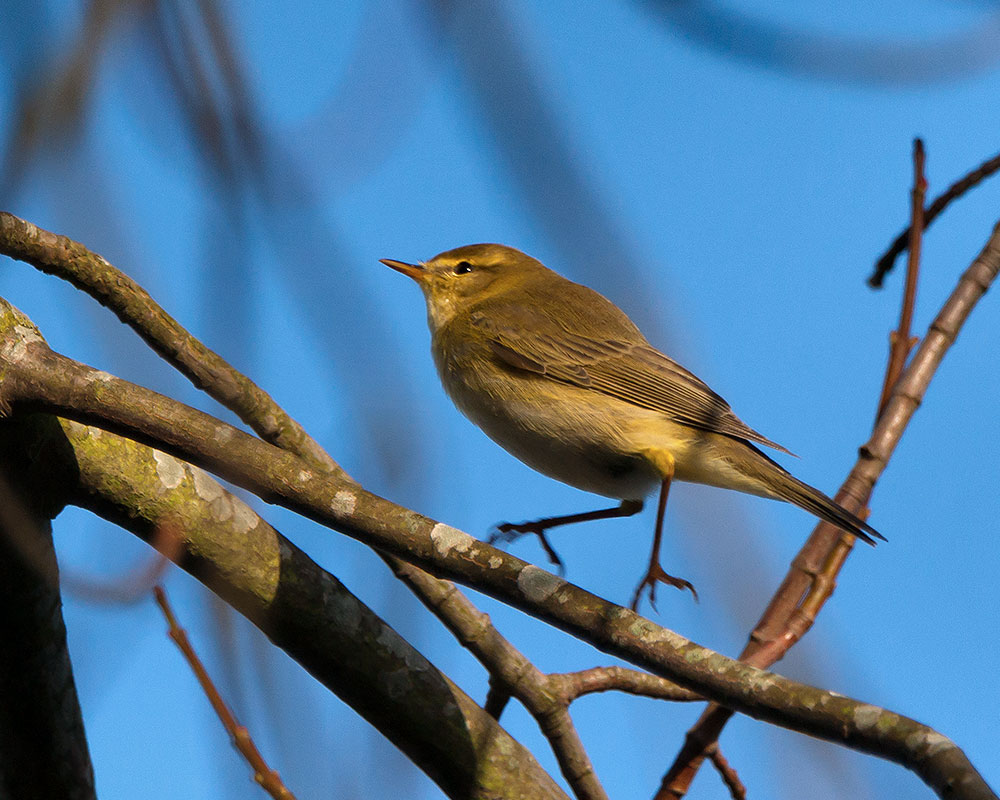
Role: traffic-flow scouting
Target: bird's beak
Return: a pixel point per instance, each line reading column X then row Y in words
column 415, row 271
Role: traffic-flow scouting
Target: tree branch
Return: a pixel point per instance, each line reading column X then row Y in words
column 35, row 378
column 267, row 778
column 43, row 746
column 788, row 617
column 64, row 258
column 304, row 610
column 885, row 264
column 206, row 369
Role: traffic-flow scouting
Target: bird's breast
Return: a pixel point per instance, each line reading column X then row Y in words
column 571, row 434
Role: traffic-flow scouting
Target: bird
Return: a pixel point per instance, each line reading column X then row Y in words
column 561, row 378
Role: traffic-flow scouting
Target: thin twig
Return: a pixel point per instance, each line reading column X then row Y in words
column 64, row 258
column 268, row 779
column 729, row 777
column 788, row 616
column 511, row 675
column 620, row 679
column 813, row 577
column 885, row 264
column 900, row 341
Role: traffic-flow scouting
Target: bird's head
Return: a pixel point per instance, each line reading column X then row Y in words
column 456, row 280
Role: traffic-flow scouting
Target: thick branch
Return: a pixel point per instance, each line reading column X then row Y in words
column 38, row 379
column 43, row 747
column 91, row 273
column 303, row 609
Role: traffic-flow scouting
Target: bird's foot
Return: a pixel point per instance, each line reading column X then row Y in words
column 654, row 575
column 507, row 532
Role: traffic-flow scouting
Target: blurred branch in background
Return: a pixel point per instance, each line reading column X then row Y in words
column 254, row 184
column 733, row 33
column 268, row 779
column 52, row 102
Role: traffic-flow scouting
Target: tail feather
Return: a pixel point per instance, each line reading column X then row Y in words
column 815, row 502
column 786, row 486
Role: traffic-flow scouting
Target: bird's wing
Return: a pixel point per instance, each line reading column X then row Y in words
column 627, row 368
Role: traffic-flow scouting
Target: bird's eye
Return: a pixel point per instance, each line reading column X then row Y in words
column 462, row 267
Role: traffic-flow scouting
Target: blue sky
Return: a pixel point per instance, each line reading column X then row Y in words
column 733, row 207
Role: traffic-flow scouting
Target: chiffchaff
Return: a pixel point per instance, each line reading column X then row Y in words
column 560, row 377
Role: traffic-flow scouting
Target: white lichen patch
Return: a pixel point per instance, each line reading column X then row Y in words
column 169, row 469
column 94, row 432
column 761, row 681
column 221, row 507
column 651, row 633
column 538, row 585
column 205, row 486
column 223, row 433
column 229, row 508
column 344, row 502
column 495, row 562
column 28, row 334
column 13, row 351
column 928, row 742
column 244, row 518
column 100, row 375
column 305, row 476
column 15, row 347
column 866, row 716
column 446, row 538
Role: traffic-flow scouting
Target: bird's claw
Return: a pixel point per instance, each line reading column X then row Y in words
column 507, row 532
column 654, row 575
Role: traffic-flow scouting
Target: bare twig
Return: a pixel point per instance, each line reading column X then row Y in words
column 900, row 341
column 885, row 264
column 572, row 685
column 268, row 779
column 729, row 777
column 89, row 272
column 511, row 675
column 813, row 572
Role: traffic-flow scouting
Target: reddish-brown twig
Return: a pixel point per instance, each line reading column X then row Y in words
column 264, row 775
column 884, row 265
column 134, row 585
column 736, row 788
column 900, row 341
column 813, row 576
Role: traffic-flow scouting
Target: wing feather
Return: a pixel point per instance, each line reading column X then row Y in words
column 632, row 371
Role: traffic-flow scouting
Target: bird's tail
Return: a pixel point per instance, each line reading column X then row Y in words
column 785, row 486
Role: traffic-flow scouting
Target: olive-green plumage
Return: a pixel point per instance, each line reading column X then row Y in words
column 560, row 377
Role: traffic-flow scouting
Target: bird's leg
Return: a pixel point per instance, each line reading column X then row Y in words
column 656, row 573
column 509, row 531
